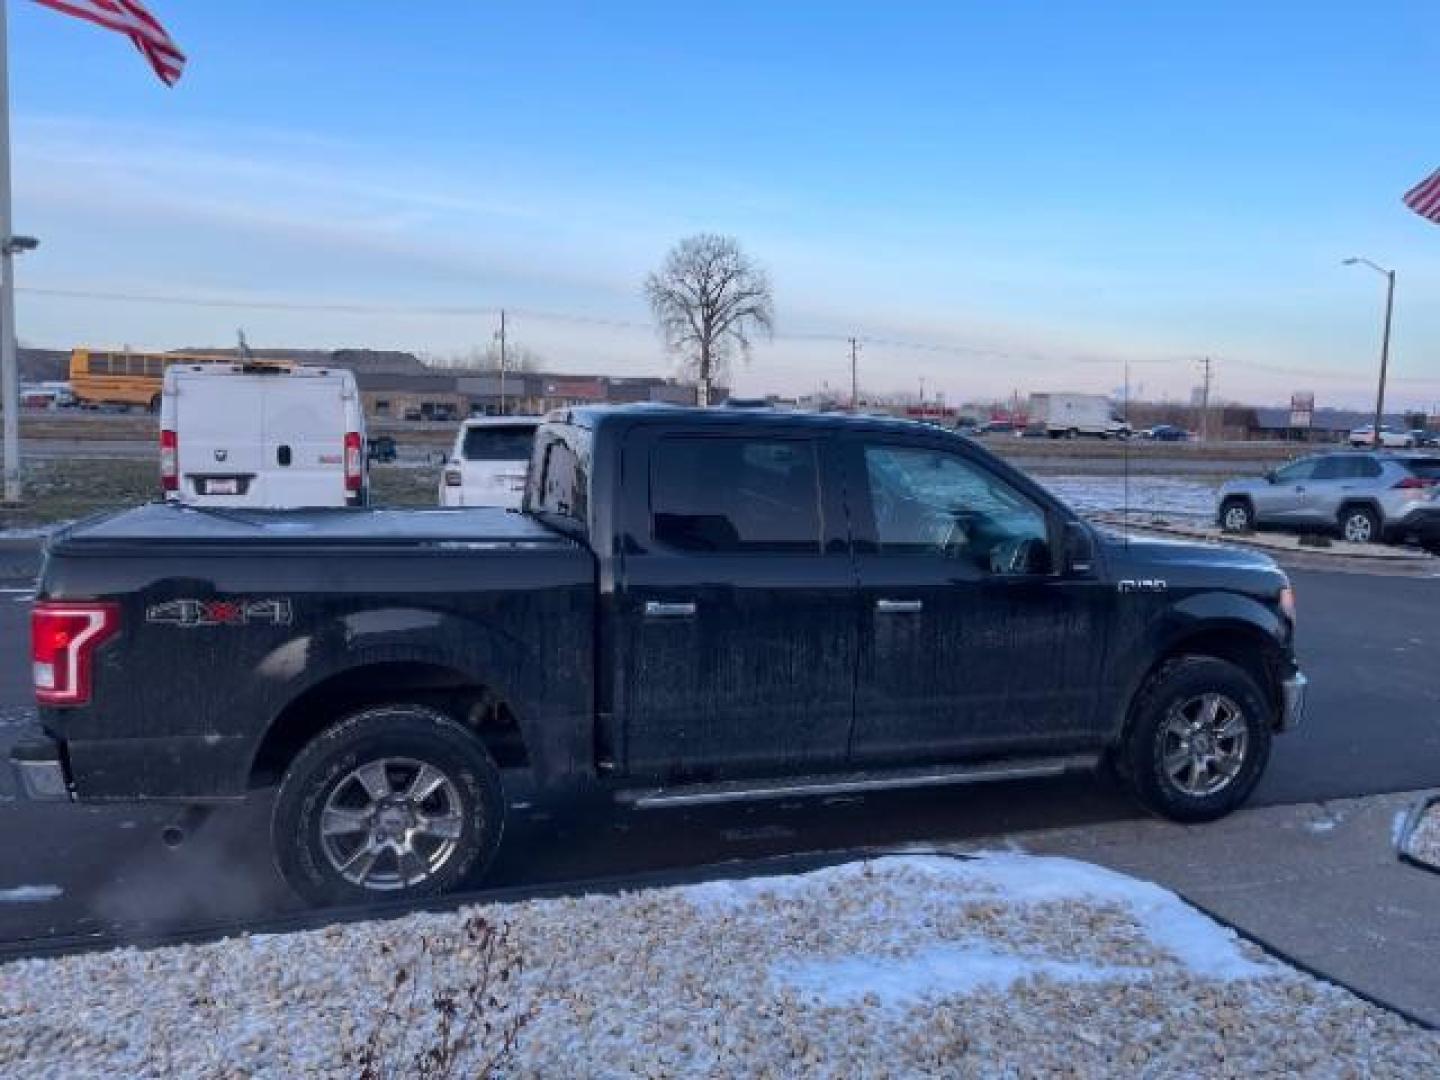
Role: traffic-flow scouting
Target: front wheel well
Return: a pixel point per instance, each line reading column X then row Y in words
column 389, row 683
column 1248, row 648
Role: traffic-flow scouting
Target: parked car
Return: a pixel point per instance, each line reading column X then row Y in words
column 1365, row 496
column 671, row 621
column 1390, row 438
column 1166, row 433
column 381, row 448
column 488, row 463
column 997, row 427
column 262, row 435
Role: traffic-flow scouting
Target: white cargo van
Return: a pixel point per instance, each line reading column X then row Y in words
column 262, row 434
column 488, row 463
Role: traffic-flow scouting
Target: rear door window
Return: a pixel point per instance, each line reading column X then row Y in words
column 511, row 443
column 1425, row 468
column 724, row 494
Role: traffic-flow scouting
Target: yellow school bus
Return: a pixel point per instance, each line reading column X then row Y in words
column 125, row 378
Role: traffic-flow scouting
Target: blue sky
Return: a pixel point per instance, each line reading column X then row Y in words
column 1047, row 191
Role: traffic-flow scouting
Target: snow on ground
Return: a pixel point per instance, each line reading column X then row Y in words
column 1004, row 964
column 1148, row 494
column 1424, row 840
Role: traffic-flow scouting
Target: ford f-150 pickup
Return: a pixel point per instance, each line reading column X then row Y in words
column 692, row 607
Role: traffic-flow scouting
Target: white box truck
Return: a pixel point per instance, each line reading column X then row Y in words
column 1073, row 415
column 262, row 435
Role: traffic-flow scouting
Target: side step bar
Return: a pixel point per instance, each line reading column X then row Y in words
column 841, row 783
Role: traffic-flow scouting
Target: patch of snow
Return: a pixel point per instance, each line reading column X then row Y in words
column 1001, row 964
column 1146, row 494
column 1324, row 825
column 928, row 974
column 30, row 894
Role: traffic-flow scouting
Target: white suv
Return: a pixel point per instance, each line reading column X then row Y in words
column 488, row 464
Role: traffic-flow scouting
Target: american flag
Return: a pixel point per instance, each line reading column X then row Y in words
column 1424, row 197
column 129, row 18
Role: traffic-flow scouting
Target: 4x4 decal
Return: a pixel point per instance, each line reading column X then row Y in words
column 220, row 613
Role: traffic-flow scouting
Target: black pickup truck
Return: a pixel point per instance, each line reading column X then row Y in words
column 693, row 607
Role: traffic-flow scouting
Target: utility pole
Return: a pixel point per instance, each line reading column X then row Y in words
column 1384, row 354
column 1389, row 276
column 1205, row 403
column 922, row 397
column 854, row 375
column 501, row 336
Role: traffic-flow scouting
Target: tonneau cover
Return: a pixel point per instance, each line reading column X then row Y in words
column 165, row 523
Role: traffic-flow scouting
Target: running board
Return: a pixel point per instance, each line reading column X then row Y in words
column 843, row 783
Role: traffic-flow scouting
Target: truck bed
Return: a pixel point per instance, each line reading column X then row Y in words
column 171, row 523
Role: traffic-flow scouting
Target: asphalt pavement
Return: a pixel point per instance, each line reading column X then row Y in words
column 1373, row 727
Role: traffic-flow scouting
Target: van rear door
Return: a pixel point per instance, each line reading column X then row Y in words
column 220, row 454
column 304, row 441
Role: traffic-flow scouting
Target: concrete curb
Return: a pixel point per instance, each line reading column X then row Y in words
column 1407, row 832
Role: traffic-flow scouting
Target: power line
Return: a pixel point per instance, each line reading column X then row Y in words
column 542, row 315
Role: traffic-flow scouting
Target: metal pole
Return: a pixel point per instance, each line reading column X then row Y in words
column 502, row 361
column 854, row 376
column 9, row 373
column 1384, row 355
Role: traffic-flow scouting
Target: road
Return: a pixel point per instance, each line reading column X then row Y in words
column 1374, row 726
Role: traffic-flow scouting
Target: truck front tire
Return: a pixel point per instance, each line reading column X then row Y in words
column 1198, row 740
column 393, row 802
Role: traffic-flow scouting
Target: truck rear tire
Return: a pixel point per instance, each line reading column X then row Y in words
column 1198, row 740
column 393, row 802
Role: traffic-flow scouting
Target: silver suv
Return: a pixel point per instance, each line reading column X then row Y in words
column 1365, row 496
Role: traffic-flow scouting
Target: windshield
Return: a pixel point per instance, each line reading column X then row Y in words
column 511, row 443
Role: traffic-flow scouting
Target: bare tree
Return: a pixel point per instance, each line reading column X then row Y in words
column 708, row 299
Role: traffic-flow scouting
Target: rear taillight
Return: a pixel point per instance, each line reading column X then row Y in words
column 452, row 477
column 169, row 461
column 1411, row 482
column 354, row 460
column 63, row 640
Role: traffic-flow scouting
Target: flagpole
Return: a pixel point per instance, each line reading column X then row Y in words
column 9, row 374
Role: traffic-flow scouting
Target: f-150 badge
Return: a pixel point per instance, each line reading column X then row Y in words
column 220, row 613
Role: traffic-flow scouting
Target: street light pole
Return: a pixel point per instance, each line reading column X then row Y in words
column 9, row 370
column 1389, row 276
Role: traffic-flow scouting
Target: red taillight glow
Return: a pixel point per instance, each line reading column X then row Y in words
column 169, row 461
column 1411, row 482
column 63, row 640
column 354, row 461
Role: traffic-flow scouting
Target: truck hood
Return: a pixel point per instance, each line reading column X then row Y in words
column 1198, row 565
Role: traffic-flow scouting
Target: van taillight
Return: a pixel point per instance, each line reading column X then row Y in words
column 63, row 640
column 169, row 461
column 354, row 460
column 452, row 478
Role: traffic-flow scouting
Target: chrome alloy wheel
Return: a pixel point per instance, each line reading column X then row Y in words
column 1357, row 528
column 1204, row 742
column 392, row 823
column 1237, row 519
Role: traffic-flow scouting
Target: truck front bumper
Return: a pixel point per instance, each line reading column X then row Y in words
column 39, row 767
column 1292, row 701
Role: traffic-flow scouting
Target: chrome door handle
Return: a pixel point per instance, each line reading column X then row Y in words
column 660, row 609
column 899, row 607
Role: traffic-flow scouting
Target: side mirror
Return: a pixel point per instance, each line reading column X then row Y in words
column 1079, row 549
column 1270, row 477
